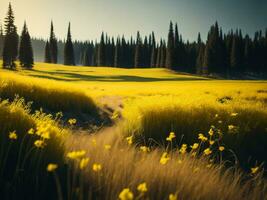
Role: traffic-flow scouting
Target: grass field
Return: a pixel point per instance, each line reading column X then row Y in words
column 146, row 105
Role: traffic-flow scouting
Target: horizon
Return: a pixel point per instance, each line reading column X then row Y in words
column 191, row 17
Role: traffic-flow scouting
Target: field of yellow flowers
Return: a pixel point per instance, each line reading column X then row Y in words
column 174, row 136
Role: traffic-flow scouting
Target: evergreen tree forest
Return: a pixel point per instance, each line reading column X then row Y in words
column 225, row 53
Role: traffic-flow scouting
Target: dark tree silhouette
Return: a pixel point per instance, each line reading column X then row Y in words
column 137, row 55
column 47, row 53
column 153, row 53
column 170, row 49
column 101, row 51
column 10, row 49
column 1, row 41
column 69, row 58
column 53, row 45
column 25, row 50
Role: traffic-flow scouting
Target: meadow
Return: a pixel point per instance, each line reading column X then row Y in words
column 157, row 134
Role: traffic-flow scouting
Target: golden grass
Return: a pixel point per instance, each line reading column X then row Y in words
column 46, row 95
column 153, row 103
column 125, row 166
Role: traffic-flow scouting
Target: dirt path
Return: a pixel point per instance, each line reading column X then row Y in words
column 111, row 103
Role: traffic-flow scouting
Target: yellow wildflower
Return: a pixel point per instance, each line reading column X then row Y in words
column 13, row 135
column 94, row 142
column 107, row 146
column 83, row 163
column 42, row 128
column 211, row 132
column 126, row 194
column 183, row 149
column 31, row 131
column 45, row 135
column 194, row 146
column 97, row 167
column 142, row 187
column 72, row 121
column 232, row 129
column 173, row 197
column 221, row 148
column 129, row 140
column 76, row 154
column 211, row 142
column 144, row 149
column 196, row 169
column 207, row 151
column 39, row 144
column 51, row 167
column 209, row 165
column 202, row 137
column 171, row 136
column 164, row 158
column 234, row 114
column 254, row 170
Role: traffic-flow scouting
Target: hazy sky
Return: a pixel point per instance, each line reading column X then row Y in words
column 90, row 17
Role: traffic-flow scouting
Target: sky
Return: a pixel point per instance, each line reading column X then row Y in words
column 117, row 17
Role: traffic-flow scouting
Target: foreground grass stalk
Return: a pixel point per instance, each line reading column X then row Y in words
column 58, row 185
column 3, row 164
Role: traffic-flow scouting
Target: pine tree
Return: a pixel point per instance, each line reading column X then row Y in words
column 213, row 59
column 159, row 49
column 145, row 58
column 177, row 49
column 69, row 58
column 1, row 41
column 10, row 49
column 53, row 45
column 163, row 55
column 101, row 51
column 200, row 54
column 111, row 52
column 87, row 55
column 153, row 57
column 123, row 52
column 137, row 55
column 117, row 53
column 170, row 49
column 25, row 50
column 236, row 57
column 47, row 53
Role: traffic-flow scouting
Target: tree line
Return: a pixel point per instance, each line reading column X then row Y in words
column 222, row 53
column 227, row 54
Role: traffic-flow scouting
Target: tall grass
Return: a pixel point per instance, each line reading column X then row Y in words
column 23, row 162
column 243, row 125
column 125, row 166
column 50, row 96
